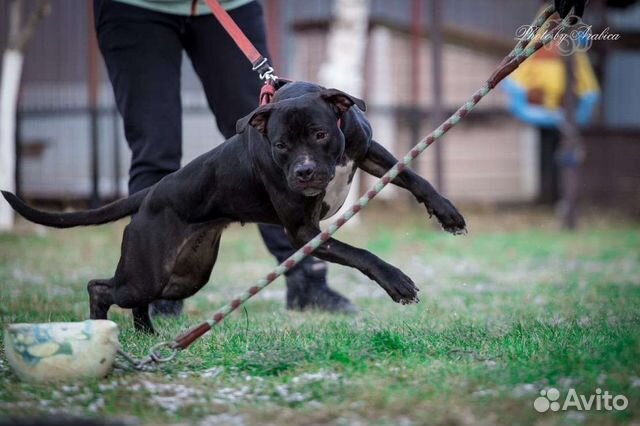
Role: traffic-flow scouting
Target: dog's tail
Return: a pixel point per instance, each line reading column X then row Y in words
column 112, row 211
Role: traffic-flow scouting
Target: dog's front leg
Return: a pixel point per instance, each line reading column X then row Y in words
column 378, row 160
column 396, row 283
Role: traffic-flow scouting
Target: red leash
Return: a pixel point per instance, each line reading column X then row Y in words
column 259, row 63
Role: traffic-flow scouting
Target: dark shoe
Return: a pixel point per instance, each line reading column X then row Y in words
column 307, row 289
column 169, row 308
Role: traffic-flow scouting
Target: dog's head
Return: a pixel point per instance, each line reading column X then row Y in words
column 304, row 134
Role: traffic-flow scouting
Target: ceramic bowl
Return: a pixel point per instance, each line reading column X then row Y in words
column 61, row 351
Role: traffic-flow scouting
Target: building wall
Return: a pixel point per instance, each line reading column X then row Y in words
column 54, row 95
column 610, row 174
column 62, row 168
column 621, row 100
column 484, row 161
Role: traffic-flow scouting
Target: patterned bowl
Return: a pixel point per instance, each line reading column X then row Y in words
column 61, row 351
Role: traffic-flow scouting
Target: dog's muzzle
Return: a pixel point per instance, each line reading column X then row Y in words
column 307, row 178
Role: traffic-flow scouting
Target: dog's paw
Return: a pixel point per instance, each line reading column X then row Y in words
column 399, row 286
column 448, row 216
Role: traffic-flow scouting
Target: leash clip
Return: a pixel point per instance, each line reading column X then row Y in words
column 153, row 359
column 265, row 71
column 269, row 75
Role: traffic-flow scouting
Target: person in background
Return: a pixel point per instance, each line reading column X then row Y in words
column 564, row 7
column 142, row 42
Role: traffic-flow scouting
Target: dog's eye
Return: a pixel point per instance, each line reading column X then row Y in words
column 280, row 146
column 321, row 135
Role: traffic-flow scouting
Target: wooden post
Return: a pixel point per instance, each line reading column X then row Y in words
column 415, row 119
column 345, row 60
column 601, row 50
column 571, row 153
column 273, row 10
column 18, row 150
column 436, row 63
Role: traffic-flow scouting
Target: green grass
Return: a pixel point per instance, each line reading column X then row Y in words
column 512, row 308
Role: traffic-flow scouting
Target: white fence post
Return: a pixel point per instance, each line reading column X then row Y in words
column 12, row 61
column 344, row 67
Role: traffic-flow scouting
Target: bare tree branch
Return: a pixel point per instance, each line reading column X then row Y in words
column 18, row 37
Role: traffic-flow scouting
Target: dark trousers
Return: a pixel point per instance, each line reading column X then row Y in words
column 143, row 49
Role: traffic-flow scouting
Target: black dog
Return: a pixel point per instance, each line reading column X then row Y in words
column 290, row 164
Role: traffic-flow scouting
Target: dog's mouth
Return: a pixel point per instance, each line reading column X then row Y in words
column 309, row 189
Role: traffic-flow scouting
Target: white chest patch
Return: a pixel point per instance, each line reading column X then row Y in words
column 338, row 189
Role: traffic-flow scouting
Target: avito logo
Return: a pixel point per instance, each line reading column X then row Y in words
column 549, row 399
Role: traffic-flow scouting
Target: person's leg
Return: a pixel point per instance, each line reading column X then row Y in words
column 276, row 241
column 143, row 53
column 232, row 90
column 229, row 83
column 306, row 283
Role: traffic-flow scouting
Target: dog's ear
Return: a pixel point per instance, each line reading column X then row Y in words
column 257, row 119
column 340, row 101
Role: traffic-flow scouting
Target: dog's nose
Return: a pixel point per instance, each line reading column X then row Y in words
column 304, row 172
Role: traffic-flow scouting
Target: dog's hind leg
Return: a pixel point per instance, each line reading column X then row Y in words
column 100, row 298
column 141, row 319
